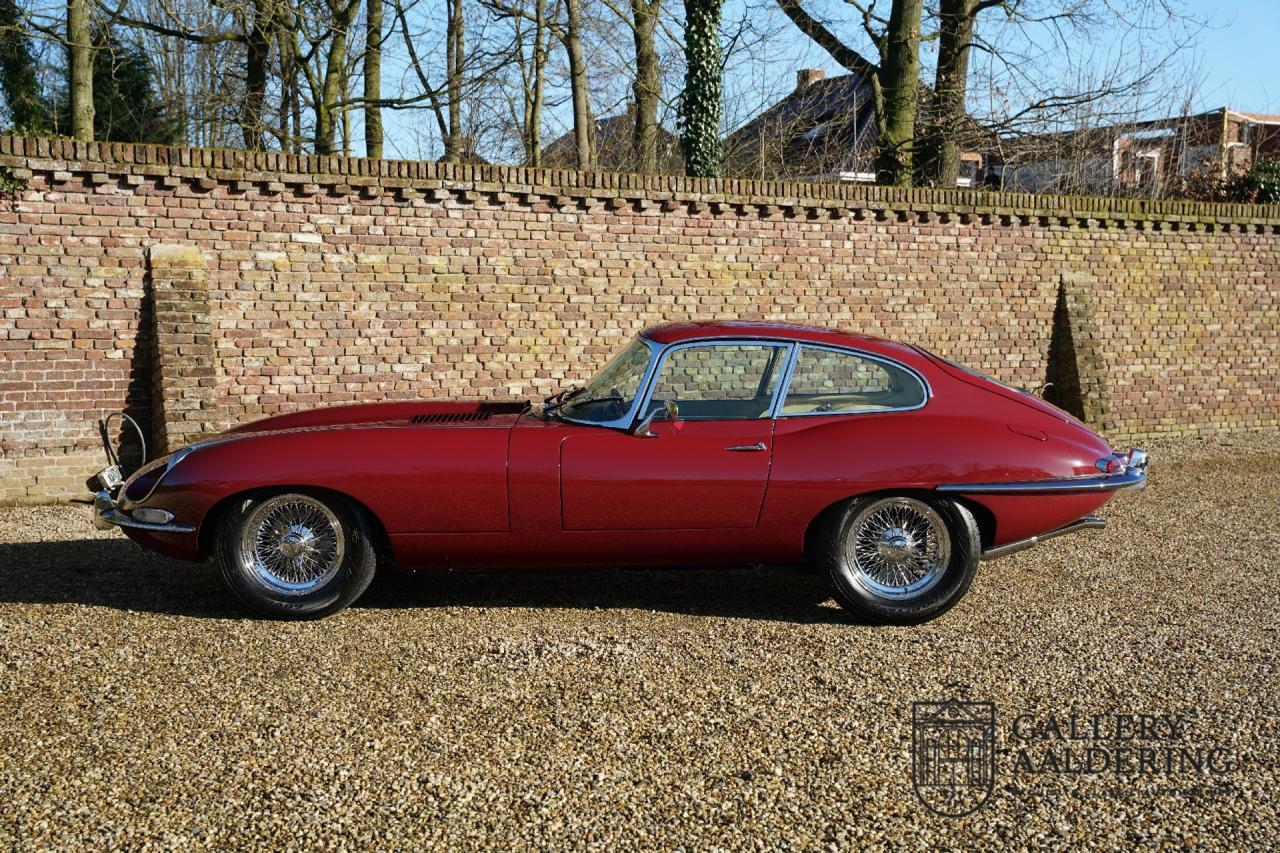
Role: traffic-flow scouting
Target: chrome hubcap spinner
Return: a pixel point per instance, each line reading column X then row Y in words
column 897, row 548
column 292, row 544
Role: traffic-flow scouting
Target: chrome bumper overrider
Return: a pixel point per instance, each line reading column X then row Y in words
column 107, row 514
column 1089, row 522
column 1133, row 475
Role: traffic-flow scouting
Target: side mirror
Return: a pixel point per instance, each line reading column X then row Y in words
column 642, row 429
column 670, row 412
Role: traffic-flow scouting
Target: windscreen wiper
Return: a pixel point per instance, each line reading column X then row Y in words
column 617, row 398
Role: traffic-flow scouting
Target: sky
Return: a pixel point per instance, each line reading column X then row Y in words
column 1234, row 61
column 1240, row 56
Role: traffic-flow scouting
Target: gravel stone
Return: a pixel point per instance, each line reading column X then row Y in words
column 639, row 709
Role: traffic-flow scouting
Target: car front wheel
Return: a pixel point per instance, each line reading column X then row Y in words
column 900, row 559
column 295, row 555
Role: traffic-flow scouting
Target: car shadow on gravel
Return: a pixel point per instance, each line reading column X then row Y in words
column 784, row 594
column 118, row 574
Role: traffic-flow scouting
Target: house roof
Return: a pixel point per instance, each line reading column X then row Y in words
column 1262, row 118
column 827, row 125
column 615, row 149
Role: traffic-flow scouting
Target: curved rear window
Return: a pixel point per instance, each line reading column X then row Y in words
column 834, row 382
column 977, row 374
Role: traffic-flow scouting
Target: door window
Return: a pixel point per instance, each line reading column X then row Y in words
column 719, row 381
column 843, row 382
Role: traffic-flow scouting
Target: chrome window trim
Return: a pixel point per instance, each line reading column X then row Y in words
column 789, row 345
column 802, row 345
column 785, row 381
column 626, row 421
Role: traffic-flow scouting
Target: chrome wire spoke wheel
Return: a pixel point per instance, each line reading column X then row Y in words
column 897, row 548
column 292, row 544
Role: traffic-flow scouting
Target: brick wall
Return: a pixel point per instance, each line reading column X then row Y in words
column 329, row 280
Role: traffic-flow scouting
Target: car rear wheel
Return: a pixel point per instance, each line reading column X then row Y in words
column 295, row 555
column 899, row 559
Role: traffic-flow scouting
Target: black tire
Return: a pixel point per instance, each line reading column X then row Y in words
column 939, row 591
column 330, row 582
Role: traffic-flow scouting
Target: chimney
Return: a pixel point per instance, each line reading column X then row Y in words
column 809, row 76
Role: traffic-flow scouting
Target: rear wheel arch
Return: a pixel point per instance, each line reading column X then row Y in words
column 984, row 517
column 933, row 543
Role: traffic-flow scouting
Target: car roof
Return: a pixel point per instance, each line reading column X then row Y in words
column 673, row 333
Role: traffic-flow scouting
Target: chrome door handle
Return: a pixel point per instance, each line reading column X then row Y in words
column 746, row 448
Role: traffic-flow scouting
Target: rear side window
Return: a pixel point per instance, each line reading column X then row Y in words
column 842, row 382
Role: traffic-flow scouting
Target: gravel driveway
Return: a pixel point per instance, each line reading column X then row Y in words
column 690, row 708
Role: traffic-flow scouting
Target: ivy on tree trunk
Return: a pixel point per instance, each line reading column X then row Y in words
column 703, row 101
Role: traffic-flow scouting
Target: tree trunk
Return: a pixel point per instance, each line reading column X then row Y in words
column 648, row 84
column 344, row 95
column 80, row 48
column 373, row 80
column 940, row 147
column 703, row 101
column 584, row 124
column 899, row 80
column 288, row 84
column 455, row 41
column 257, row 52
column 533, row 106
column 331, row 90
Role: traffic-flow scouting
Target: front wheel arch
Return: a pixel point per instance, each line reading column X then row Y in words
column 370, row 525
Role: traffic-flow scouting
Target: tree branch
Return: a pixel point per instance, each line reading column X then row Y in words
column 829, row 41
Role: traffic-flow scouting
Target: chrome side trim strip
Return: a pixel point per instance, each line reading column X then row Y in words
column 1089, row 522
column 1134, row 478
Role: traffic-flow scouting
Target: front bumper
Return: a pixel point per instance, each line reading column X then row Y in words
column 1132, row 475
column 107, row 514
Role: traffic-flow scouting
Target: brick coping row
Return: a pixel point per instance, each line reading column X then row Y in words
column 62, row 160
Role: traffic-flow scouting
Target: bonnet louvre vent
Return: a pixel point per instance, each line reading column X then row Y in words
column 450, row 417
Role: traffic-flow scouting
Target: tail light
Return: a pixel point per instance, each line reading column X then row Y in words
column 1113, row 464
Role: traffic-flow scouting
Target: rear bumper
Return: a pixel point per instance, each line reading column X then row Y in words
column 1089, row 522
column 107, row 514
column 1133, row 475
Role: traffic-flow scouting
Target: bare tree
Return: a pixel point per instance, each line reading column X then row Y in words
column 899, row 86
column 894, row 78
column 584, row 123
column 940, row 144
column 258, row 39
column 534, row 28
column 80, row 68
column 642, row 18
column 373, row 79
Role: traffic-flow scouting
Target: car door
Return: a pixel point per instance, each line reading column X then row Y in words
column 706, row 468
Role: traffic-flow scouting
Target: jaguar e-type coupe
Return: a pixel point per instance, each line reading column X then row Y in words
column 891, row 470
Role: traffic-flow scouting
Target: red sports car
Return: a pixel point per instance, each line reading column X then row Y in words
column 891, row 469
